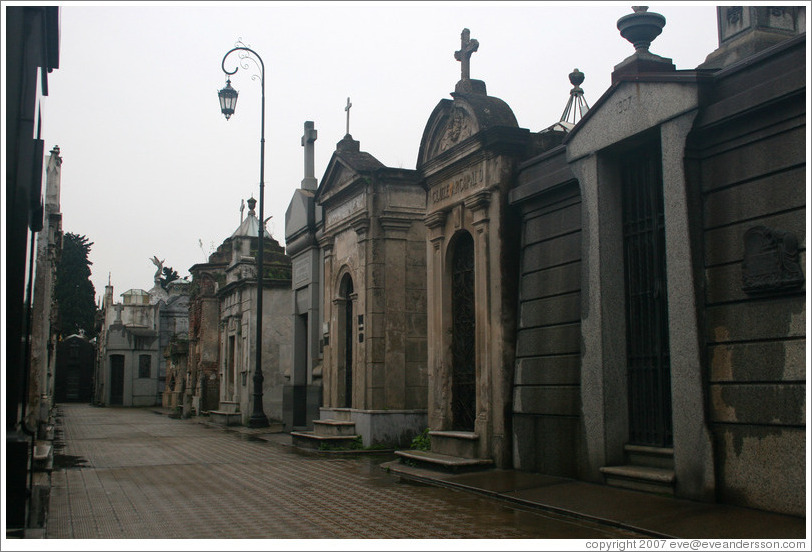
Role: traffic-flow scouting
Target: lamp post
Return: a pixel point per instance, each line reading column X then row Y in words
column 228, row 101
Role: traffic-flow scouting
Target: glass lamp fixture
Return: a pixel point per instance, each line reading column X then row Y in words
column 228, row 99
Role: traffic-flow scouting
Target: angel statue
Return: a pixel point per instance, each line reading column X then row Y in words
column 159, row 272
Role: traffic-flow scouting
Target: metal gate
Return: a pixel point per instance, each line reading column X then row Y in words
column 647, row 347
column 348, row 340
column 463, row 340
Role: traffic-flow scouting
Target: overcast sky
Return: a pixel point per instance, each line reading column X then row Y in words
column 151, row 166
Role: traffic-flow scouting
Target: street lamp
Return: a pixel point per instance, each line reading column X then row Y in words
column 228, row 101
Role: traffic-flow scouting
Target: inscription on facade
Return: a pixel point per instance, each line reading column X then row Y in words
column 343, row 211
column 624, row 105
column 301, row 271
column 469, row 180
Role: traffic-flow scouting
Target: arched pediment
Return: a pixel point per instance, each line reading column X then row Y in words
column 454, row 121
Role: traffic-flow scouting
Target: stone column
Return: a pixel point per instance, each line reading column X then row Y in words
column 395, row 267
column 328, row 361
column 438, row 376
column 478, row 205
column 693, row 445
column 603, row 325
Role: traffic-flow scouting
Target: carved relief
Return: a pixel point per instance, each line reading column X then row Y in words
column 459, row 128
column 770, row 261
column 734, row 14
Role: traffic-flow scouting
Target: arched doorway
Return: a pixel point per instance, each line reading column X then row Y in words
column 346, row 339
column 463, row 334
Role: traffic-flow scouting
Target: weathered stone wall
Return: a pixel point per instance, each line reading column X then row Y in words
column 547, row 382
column 750, row 149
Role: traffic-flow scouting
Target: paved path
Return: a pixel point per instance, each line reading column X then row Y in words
column 134, row 473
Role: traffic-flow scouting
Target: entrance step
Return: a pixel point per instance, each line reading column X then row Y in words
column 336, row 432
column 43, row 456
column 334, row 428
column 445, row 462
column 463, row 444
column 341, row 414
column 312, row 440
column 229, row 407
column 640, row 478
column 224, row 418
column 653, row 457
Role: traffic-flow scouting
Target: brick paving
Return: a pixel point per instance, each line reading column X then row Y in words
column 135, row 474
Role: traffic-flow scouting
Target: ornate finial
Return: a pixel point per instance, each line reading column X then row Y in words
column 641, row 27
column 463, row 55
column 576, row 78
column 347, row 109
column 576, row 97
column 55, row 151
column 251, row 204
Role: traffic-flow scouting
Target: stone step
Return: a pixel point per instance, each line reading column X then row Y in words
column 312, row 440
column 230, row 407
column 334, row 428
column 640, row 478
column 225, row 418
column 455, row 443
column 43, row 456
column 445, row 462
column 342, row 414
column 653, row 457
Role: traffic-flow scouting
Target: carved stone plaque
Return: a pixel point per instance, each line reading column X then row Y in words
column 770, row 261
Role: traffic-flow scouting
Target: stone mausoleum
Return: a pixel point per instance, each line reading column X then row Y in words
column 372, row 241
column 621, row 299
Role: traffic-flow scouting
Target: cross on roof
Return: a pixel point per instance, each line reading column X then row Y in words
column 463, row 55
column 347, row 109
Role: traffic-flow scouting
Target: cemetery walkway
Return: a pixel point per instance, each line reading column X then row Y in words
column 133, row 473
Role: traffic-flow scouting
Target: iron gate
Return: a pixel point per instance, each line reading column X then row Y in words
column 348, row 343
column 647, row 347
column 463, row 341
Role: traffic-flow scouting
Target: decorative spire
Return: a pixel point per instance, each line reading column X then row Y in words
column 576, row 98
column 251, row 204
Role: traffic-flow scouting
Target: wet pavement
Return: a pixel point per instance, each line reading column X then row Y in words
column 126, row 473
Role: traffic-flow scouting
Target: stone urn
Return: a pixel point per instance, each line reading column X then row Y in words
column 641, row 27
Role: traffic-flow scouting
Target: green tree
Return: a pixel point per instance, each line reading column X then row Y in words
column 74, row 292
column 169, row 275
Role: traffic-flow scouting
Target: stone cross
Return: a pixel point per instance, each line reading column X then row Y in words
column 464, row 53
column 242, row 208
column 310, row 136
column 347, row 109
